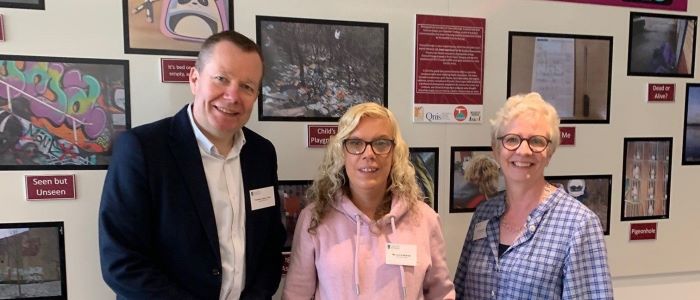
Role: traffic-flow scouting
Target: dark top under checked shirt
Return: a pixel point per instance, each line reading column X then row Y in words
column 561, row 255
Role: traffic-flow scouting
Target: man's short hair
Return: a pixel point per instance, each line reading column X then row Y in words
column 242, row 41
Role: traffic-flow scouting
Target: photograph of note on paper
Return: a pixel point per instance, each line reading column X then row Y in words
column 572, row 72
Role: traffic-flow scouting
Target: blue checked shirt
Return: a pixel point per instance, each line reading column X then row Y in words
column 560, row 255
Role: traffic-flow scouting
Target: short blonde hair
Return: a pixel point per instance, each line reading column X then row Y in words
column 534, row 106
column 332, row 177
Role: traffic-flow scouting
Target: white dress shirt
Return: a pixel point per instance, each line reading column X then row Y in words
column 225, row 184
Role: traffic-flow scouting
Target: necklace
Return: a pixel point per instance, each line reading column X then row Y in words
column 517, row 229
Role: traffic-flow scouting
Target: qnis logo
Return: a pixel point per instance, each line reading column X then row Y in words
column 460, row 113
column 433, row 117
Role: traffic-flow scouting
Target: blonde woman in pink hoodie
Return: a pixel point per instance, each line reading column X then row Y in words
column 366, row 233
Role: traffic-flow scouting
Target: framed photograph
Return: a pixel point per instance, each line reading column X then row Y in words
column 27, row 4
column 691, row 130
column 32, row 261
column 467, row 192
column 316, row 69
column 572, row 72
column 646, row 189
column 426, row 162
column 61, row 113
column 173, row 27
column 661, row 45
column 293, row 196
column 594, row 191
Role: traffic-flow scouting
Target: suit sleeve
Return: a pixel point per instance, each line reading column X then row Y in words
column 301, row 278
column 125, row 241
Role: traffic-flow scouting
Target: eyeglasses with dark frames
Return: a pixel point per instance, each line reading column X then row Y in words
column 536, row 143
column 358, row 146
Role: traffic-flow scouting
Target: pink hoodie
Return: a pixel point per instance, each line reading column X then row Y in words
column 345, row 259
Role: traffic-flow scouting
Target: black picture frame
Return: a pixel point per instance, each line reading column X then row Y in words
column 426, row 162
column 691, row 125
column 37, row 248
column 292, row 201
column 150, row 28
column 343, row 63
column 25, row 4
column 594, row 191
column 646, row 173
column 61, row 113
column 660, row 45
column 586, row 70
column 465, row 196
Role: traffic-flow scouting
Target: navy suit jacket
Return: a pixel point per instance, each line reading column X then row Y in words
column 157, row 231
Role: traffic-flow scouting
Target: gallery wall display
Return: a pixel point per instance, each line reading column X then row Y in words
column 426, row 162
column 465, row 195
column 28, row 4
column 691, row 130
column 572, row 72
column 646, row 189
column 173, row 27
column 316, row 69
column 594, row 191
column 32, row 261
column 61, row 113
column 661, row 45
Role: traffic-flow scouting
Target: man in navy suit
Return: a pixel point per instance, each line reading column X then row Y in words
column 189, row 208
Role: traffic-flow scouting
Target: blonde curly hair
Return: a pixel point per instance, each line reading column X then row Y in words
column 483, row 171
column 332, row 177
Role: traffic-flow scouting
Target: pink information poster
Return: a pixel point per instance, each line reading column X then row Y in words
column 677, row 5
column 449, row 69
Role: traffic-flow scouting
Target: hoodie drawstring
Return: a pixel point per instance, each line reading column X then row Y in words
column 403, row 281
column 354, row 258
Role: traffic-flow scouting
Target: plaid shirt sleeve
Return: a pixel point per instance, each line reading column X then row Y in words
column 586, row 274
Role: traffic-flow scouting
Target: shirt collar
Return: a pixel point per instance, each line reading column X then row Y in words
column 208, row 146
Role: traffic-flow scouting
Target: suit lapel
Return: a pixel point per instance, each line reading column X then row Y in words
column 188, row 159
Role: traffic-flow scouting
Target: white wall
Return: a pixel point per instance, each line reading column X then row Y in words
column 649, row 270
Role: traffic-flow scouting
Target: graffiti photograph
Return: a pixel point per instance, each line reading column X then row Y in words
column 32, row 261
column 316, row 69
column 173, row 27
column 61, row 113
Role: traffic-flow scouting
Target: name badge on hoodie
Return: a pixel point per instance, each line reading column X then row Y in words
column 261, row 198
column 401, row 254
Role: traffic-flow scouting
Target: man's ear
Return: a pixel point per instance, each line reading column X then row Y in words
column 194, row 77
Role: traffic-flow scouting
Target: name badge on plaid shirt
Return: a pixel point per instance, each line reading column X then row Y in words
column 480, row 230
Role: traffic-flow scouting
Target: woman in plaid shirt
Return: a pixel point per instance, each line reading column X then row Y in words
column 533, row 241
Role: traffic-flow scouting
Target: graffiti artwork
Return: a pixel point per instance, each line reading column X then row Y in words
column 173, row 27
column 61, row 113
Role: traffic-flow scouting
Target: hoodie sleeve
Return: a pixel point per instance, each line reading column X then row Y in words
column 437, row 283
column 301, row 278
